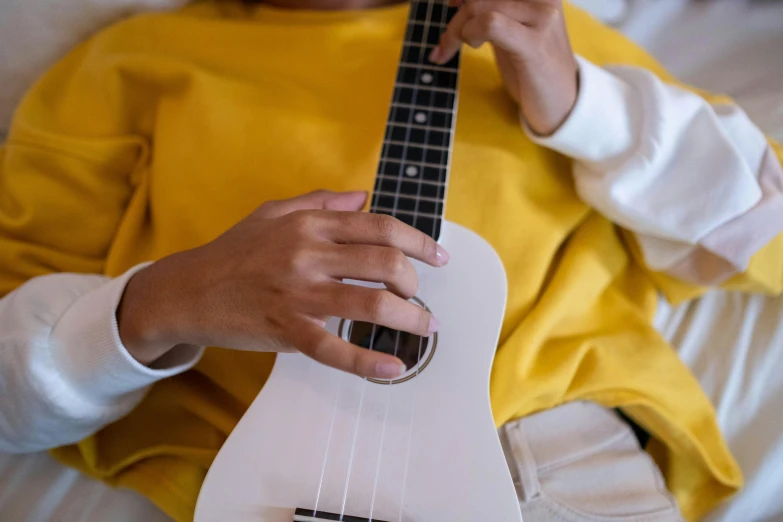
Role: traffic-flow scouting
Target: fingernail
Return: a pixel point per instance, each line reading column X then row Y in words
column 389, row 370
column 435, row 55
column 441, row 256
column 434, row 325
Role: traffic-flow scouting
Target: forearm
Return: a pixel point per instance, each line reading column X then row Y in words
column 698, row 185
column 64, row 370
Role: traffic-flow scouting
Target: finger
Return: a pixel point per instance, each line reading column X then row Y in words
column 372, row 305
column 521, row 14
column 383, row 230
column 496, row 28
column 313, row 341
column 319, row 199
column 384, row 265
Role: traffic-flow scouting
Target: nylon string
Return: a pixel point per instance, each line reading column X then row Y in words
column 412, row 111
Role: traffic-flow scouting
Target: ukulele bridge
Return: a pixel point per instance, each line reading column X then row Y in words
column 308, row 515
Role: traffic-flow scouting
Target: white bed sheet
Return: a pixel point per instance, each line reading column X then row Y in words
column 35, row 488
column 733, row 343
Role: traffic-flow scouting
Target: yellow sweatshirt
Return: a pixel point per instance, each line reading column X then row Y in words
column 165, row 130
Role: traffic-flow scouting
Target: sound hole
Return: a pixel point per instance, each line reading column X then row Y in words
column 409, row 348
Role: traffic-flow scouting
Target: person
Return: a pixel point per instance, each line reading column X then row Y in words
column 158, row 196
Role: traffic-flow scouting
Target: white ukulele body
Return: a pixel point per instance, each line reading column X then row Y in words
column 422, row 450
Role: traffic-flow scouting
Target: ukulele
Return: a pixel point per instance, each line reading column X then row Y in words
column 318, row 444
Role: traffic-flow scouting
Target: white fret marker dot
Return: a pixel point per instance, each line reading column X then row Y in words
column 420, row 117
column 426, row 78
column 411, row 171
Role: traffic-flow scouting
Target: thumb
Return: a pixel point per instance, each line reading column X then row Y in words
column 320, row 199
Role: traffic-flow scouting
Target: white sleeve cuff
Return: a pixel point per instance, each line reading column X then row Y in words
column 599, row 128
column 89, row 355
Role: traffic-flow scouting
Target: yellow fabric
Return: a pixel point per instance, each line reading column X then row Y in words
column 165, row 130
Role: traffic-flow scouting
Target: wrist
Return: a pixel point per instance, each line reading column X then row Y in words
column 604, row 102
column 547, row 103
column 150, row 313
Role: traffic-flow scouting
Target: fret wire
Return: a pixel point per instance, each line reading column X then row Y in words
column 416, row 180
column 430, row 128
column 417, row 9
column 418, row 137
column 433, row 120
column 416, row 32
column 417, row 44
column 404, row 158
column 418, row 145
column 425, row 87
column 419, row 55
column 432, row 189
column 408, row 202
column 426, row 66
column 409, row 212
column 419, row 163
column 422, row 107
column 411, row 196
column 431, row 24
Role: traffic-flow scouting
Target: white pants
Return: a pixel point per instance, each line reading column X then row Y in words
column 581, row 463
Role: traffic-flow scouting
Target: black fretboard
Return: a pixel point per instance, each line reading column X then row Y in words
column 414, row 164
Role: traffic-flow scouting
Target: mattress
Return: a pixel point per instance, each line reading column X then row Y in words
column 733, row 343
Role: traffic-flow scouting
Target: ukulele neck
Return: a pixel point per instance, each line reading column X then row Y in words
column 414, row 165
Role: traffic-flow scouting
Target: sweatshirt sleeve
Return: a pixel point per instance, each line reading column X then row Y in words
column 697, row 185
column 74, row 162
column 64, row 372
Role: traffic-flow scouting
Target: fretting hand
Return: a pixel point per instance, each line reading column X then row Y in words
column 270, row 282
column 532, row 51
